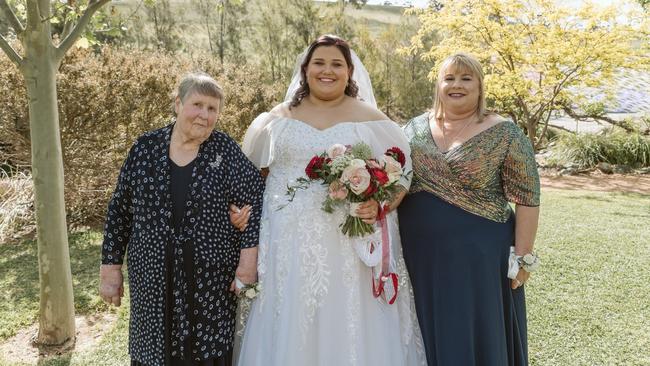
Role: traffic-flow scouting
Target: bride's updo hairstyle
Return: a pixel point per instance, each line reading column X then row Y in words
column 326, row 40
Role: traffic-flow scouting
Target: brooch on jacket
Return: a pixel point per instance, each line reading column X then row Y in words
column 217, row 161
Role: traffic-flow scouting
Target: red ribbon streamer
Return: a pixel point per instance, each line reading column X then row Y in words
column 378, row 286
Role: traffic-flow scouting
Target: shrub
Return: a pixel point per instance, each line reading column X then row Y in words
column 16, row 205
column 106, row 101
column 614, row 147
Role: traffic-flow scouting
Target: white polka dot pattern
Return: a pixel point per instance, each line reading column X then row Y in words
column 138, row 223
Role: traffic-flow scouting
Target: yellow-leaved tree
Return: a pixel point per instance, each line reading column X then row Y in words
column 538, row 56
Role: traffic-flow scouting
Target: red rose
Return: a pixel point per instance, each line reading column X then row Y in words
column 372, row 189
column 314, row 167
column 397, row 154
column 380, row 175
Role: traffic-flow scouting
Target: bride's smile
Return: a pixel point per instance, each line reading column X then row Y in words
column 327, row 73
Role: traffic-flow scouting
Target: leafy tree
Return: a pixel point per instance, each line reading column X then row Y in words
column 164, row 24
column 38, row 57
column 284, row 29
column 537, row 56
column 225, row 22
column 399, row 79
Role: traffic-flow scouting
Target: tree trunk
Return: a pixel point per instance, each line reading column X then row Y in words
column 222, row 30
column 531, row 129
column 56, row 316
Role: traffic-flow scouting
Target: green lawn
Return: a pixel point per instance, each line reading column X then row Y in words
column 588, row 305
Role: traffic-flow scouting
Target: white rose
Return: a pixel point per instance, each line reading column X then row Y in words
column 250, row 293
column 336, row 150
column 357, row 177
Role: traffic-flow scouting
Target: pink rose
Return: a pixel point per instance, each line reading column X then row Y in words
column 336, row 150
column 373, row 164
column 357, row 176
column 337, row 191
column 393, row 168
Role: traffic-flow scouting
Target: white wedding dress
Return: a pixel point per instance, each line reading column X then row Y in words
column 316, row 307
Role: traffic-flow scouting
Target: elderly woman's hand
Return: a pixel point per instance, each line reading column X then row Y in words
column 367, row 211
column 246, row 270
column 239, row 217
column 111, row 283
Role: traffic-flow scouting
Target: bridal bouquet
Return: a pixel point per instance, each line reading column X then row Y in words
column 353, row 176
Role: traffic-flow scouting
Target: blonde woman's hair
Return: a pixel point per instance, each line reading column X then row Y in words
column 465, row 63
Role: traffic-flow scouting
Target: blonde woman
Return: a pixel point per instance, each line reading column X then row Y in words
column 457, row 226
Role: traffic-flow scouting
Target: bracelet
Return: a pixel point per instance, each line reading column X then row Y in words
column 528, row 262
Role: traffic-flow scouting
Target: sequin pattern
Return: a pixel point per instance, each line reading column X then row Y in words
column 482, row 175
column 138, row 223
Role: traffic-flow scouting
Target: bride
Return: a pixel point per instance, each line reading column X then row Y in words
column 316, row 306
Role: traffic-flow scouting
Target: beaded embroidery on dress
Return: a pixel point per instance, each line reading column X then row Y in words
column 316, row 306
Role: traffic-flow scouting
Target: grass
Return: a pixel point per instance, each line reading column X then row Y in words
column 588, row 305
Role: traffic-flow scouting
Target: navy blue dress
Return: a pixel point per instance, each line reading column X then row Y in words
column 457, row 228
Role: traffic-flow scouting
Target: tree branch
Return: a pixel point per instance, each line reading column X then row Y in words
column 562, row 128
column 65, row 45
column 597, row 117
column 11, row 17
column 11, row 53
column 67, row 28
column 33, row 14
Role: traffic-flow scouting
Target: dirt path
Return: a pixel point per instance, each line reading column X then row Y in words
column 599, row 182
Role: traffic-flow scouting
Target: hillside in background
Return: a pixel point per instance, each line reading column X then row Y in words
column 192, row 31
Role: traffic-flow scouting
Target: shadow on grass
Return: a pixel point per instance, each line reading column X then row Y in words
column 19, row 281
column 608, row 196
column 591, row 197
column 58, row 361
column 626, row 214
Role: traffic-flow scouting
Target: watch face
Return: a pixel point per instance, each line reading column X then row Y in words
column 528, row 259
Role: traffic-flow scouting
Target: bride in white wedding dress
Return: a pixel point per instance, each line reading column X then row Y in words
column 316, row 306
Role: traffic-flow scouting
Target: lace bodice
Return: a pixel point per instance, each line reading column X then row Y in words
column 297, row 144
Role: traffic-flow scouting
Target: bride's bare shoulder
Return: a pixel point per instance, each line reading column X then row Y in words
column 365, row 112
column 281, row 110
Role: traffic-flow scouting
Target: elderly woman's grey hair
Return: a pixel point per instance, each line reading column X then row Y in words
column 200, row 83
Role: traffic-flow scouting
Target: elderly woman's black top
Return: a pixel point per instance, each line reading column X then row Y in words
column 139, row 223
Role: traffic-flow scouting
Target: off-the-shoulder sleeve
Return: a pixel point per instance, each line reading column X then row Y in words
column 519, row 173
column 384, row 135
column 258, row 144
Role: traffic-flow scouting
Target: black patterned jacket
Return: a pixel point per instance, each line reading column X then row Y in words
column 138, row 223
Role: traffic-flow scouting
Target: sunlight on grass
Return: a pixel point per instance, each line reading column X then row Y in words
column 588, row 304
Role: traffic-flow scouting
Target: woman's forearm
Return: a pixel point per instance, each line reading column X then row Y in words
column 526, row 221
column 247, row 268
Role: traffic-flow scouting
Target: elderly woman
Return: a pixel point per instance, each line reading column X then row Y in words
column 458, row 228
column 169, row 213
